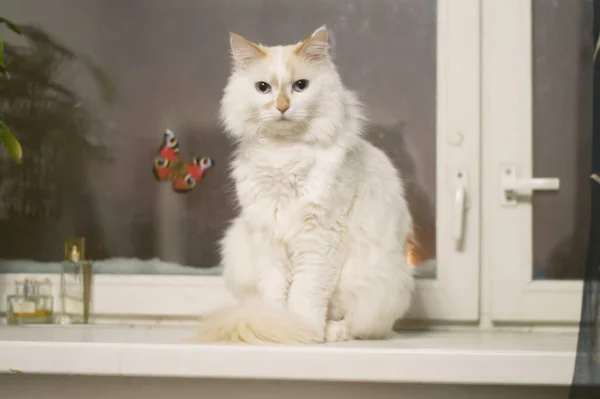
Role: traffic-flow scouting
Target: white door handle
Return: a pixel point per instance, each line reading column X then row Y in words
column 512, row 186
column 459, row 214
column 544, row 183
column 458, row 208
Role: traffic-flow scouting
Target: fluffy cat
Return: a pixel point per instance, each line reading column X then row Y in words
column 317, row 253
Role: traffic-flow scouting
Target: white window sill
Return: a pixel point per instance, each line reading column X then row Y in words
column 505, row 358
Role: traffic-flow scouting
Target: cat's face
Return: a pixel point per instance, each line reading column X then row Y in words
column 277, row 91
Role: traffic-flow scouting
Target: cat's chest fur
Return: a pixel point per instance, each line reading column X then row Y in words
column 269, row 182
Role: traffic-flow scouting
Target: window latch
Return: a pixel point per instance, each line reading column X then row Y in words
column 513, row 187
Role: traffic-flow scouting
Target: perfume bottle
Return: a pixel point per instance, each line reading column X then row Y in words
column 75, row 284
column 32, row 303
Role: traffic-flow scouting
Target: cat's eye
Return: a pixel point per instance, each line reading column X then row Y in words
column 263, row 87
column 300, row 85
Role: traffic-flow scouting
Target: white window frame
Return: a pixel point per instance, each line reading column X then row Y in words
column 454, row 294
column 507, row 118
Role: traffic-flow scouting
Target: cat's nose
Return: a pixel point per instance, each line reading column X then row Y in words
column 283, row 108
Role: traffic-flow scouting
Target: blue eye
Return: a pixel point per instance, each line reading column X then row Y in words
column 162, row 162
column 263, row 87
column 189, row 180
column 300, row 85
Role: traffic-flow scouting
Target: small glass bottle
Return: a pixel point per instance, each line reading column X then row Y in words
column 32, row 303
column 75, row 284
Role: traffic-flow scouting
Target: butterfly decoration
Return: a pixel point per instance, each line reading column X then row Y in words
column 169, row 166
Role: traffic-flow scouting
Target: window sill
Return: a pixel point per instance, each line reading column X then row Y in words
column 504, row 358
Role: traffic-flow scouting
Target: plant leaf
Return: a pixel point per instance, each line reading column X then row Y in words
column 10, row 142
column 11, row 25
column 38, row 37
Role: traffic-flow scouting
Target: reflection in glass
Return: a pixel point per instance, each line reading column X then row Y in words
column 562, row 49
column 87, row 169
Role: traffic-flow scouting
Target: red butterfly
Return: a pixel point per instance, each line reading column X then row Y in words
column 168, row 165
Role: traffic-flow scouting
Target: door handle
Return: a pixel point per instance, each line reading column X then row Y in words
column 512, row 186
column 459, row 207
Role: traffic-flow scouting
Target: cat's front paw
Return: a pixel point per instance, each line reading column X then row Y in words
column 337, row 331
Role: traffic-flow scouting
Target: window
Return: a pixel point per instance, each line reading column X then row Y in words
column 537, row 116
column 464, row 105
column 168, row 66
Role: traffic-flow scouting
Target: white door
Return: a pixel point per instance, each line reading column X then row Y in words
column 537, row 71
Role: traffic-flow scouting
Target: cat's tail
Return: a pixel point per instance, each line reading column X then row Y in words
column 255, row 324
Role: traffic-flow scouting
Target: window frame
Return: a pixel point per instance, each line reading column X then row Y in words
column 454, row 294
column 507, row 116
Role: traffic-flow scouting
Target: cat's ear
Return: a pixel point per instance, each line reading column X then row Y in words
column 244, row 52
column 316, row 47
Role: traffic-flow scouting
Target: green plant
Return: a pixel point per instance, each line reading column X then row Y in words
column 54, row 123
column 10, row 142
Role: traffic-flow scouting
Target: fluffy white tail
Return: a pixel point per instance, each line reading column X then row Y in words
column 255, row 324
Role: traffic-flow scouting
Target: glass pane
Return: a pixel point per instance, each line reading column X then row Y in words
column 563, row 48
column 86, row 169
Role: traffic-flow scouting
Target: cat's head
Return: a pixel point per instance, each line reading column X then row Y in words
column 281, row 92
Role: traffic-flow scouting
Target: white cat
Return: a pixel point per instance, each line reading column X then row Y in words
column 317, row 252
